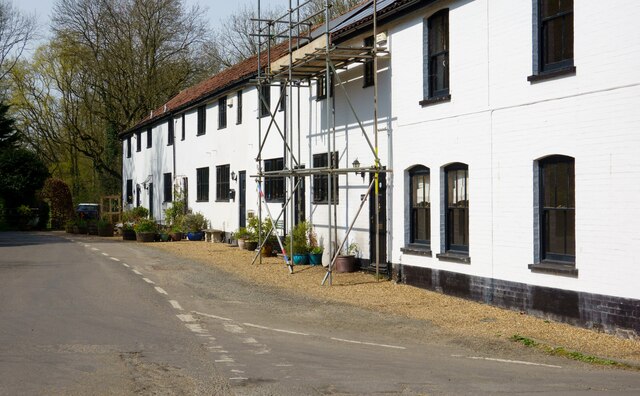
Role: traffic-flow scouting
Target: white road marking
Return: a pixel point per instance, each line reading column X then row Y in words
column 196, row 328
column 149, row 281
column 218, row 350
column 105, row 254
column 237, row 371
column 114, row 259
column 211, row 316
column 368, row 343
column 175, row 304
column 85, row 245
column 237, row 378
column 137, row 272
column 512, row 361
column 95, row 249
column 225, row 358
column 231, row 328
column 250, row 340
column 284, row 365
column 160, row 290
column 126, row 265
column 278, row 330
column 186, row 318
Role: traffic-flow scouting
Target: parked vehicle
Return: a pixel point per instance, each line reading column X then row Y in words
column 88, row 211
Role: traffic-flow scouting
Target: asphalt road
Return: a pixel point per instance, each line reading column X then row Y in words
column 82, row 315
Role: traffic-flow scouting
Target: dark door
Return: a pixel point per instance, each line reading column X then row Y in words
column 242, row 199
column 151, row 200
column 382, row 218
column 300, row 200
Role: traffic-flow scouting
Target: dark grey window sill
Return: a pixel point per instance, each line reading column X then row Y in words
column 414, row 250
column 202, row 200
column 223, row 200
column 325, row 202
column 564, row 72
column 555, row 268
column 455, row 257
column 435, row 100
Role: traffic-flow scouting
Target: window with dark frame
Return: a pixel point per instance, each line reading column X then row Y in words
column 368, row 65
column 202, row 184
column 129, row 147
column 265, row 100
column 321, row 182
column 138, row 195
column 239, row 108
column 420, row 201
column 438, row 54
column 149, row 137
column 222, row 182
column 138, row 141
column 184, row 128
column 457, row 208
column 202, row 120
column 274, row 186
column 555, row 35
column 557, row 209
column 321, row 87
column 170, row 137
column 222, row 112
column 129, row 192
column 168, row 187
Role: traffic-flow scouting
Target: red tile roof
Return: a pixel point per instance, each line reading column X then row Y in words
column 227, row 78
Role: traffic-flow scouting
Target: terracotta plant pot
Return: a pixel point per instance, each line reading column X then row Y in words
column 175, row 236
column 267, row 250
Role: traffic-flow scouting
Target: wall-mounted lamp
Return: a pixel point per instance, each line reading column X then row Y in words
column 356, row 164
column 234, row 177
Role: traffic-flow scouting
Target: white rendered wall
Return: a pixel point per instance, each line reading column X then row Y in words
column 499, row 123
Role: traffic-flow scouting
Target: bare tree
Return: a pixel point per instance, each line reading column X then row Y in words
column 16, row 30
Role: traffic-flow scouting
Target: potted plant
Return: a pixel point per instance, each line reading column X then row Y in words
column 241, row 235
column 346, row 261
column 70, row 225
column 82, row 227
column 105, row 228
column 145, row 230
column 128, row 233
column 299, row 251
column 193, row 224
column 175, row 232
column 163, row 234
column 316, row 251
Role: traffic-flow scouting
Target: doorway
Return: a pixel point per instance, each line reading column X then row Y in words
column 382, row 227
column 242, row 199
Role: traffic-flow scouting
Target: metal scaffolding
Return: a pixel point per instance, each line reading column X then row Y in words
column 310, row 55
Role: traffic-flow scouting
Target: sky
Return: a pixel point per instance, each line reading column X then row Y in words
column 217, row 10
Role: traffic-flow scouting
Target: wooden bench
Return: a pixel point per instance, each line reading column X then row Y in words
column 213, row 235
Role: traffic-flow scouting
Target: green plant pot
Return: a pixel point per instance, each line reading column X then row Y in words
column 300, row 258
column 164, row 237
column 315, row 258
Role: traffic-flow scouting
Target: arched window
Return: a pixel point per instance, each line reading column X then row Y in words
column 420, row 184
column 457, row 208
column 556, row 206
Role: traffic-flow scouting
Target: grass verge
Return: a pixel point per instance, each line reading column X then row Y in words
column 573, row 355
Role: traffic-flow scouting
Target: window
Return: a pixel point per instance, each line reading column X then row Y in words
column 274, row 186
column 138, row 141
column 420, row 206
column 282, row 103
column 202, row 120
column 265, row 100
column 222, row 182
column 239, row 108
column 368, row 65
column 554, row 35
column 202, row 184
column 184, row 128
column 138, row 196
column 149, row 137
column 321, row 87
column 321, row 182
column 129, row 194
column 170, row 125
column 457, row 208
column 168, row 187
column 557, row 209
column 222, row 112
column 436, row 65
column 129, row 147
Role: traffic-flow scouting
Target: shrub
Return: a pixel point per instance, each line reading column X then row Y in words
column 300, row 245
column 58, row 194
column 194, row 222
column 136, row 214
column 146, row 225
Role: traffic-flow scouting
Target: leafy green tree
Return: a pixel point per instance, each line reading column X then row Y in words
column 23, row 173
column 8, row 135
